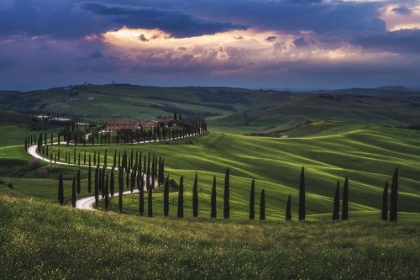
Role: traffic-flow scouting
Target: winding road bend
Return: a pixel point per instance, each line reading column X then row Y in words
column 85, row 203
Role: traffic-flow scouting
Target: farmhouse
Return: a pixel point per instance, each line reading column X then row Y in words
column 115, row 125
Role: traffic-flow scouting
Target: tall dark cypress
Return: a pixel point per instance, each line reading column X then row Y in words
column 106, row 191
column 213, row 199
column 345, row 207
column 89, row 177
column 96, row 186
column 60, row 190
column 141, row 196
column 262, row 205
column 336, row 210
column 112, row 182
column 302, row 210
column 289, row 208
column 226, row 208
column 73, row 193
column 166, row 198
column 78, row 183
column 148, row 173
column 132, row 180
column 180, row 213
column 394, row 197
column 115, row 159
column 252, row 201
column 149, row 203
column 153, row 170
column 120, row 188
column 195, row 196
column 385, row 202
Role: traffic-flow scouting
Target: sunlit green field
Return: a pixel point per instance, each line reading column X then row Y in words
column 40, row 240
column 368, row 155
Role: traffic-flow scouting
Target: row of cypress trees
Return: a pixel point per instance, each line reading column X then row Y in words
column 101, row 184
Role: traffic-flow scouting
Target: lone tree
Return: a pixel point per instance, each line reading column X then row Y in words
column 226, row 208
column 166, row 197
column 394, row 197
column 213, row 200
column 262, row 205
column 336, row 202
column 252, row 201
column 302, row 196
column 288, row 209
column 73, row 193
column 60, row 190
column 345, row 207
column 180, row 213
column 195, row 197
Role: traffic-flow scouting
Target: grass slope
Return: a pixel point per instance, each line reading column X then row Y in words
column 368, row 155
column 39, row 240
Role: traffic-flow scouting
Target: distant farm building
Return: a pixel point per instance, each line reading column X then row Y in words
column 115, row 125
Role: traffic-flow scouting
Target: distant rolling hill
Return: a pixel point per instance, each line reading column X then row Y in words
column 238, row 110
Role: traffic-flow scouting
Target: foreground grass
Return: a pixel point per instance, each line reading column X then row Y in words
column 40, row 240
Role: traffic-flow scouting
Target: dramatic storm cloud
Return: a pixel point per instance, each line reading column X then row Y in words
column 253, row 43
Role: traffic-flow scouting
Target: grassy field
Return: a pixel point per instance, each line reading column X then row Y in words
column 40, row 240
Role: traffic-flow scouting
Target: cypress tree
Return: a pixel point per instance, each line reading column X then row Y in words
column 105, row 159
column 73, row 193
column 127, row 180
column 385, row 202
column 262, row 205
column 120, row 188
column 148, row 173
column 149, row 203
column 213, row 199
column 26, row 144
column 336, row 202
column 111, row 183
column 153, row 170
column 141, row 196
column 78, row 182
column 394, row 197
column 226, row 208
column 195, row 197
column 106, row 192
column 96, row 185
column 288, row 208
column 115, row 159
column 345, row 207
column 252, row 201
column 60, row 190
column 74, row 156
column 133, row 180
column 302, row 196
column 180, row 213
column 166, row 198
column 84, row 158
column 89, row 177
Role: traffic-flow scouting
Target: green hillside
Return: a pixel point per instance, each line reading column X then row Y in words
column 40, row 240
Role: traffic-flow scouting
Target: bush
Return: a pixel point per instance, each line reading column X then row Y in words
column 2, row 182
column 43, row 173
column 34, row 164
column 10, row 185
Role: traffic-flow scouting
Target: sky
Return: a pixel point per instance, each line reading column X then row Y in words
column 248, row 43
